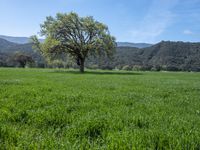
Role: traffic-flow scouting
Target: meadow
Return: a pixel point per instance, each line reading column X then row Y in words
column 63, row 109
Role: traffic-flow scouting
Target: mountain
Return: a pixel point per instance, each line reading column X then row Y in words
column 8, row 50
column 138, row 45
column 24, row 40
column 8, row 47
column 166, row 55
column 18, row 40
column 174, row 56
column 4, row 44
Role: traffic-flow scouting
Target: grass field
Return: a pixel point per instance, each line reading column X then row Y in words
column 60, row 109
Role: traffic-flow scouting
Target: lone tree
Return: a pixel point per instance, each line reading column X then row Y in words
column 22, row 59
column 75, row 36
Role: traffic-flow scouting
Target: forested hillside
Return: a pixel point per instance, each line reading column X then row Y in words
column 173, row 56
column 6, row 45
column 138, row 45
column 166, row 55
column 18, row 40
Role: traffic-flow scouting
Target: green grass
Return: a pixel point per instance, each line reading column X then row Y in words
column 60, row 109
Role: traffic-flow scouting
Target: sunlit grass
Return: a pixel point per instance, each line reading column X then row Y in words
column 62, row 109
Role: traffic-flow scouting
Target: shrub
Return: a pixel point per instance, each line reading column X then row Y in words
column 127, row 68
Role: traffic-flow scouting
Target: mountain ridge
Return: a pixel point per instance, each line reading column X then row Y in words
column 25, row 40
column 165, row 55
column 129, row 44
column 18, row 40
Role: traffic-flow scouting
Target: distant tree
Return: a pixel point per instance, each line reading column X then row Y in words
column 76, row 36
column 127, row 68
column 22, row 59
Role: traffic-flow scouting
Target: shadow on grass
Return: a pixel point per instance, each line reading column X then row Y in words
column 96, row 72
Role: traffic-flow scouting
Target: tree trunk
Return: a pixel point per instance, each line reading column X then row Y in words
column 82, row 61
column 22, row 64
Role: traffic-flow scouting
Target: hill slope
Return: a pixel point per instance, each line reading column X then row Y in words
column 173, row 55
column 4, row 45
column 7, row 47
column 18, row 40
column 165, row 55
column 24, row 40
column 138, row 45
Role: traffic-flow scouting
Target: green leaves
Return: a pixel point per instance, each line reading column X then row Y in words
column 74, row 35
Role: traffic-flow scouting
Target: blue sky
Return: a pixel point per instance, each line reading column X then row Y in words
column 128, row 20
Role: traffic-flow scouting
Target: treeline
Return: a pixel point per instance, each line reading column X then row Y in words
column 166, row 55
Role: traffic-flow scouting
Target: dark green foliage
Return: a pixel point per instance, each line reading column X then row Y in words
column 74, row 36
column 8, row 50
column 171, row 56
column 22, row 59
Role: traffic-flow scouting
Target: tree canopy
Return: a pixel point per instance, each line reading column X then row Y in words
column 22, row 59
column 75, row 36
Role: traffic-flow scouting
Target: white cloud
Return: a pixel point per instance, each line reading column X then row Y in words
column 158, row 18
column 187, row 32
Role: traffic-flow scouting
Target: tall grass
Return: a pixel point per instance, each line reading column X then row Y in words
column 61, row 109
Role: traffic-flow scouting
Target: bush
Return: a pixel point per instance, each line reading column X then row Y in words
column 136, row 68
column 93, row 67
column 127, row 68
column 156, row 68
